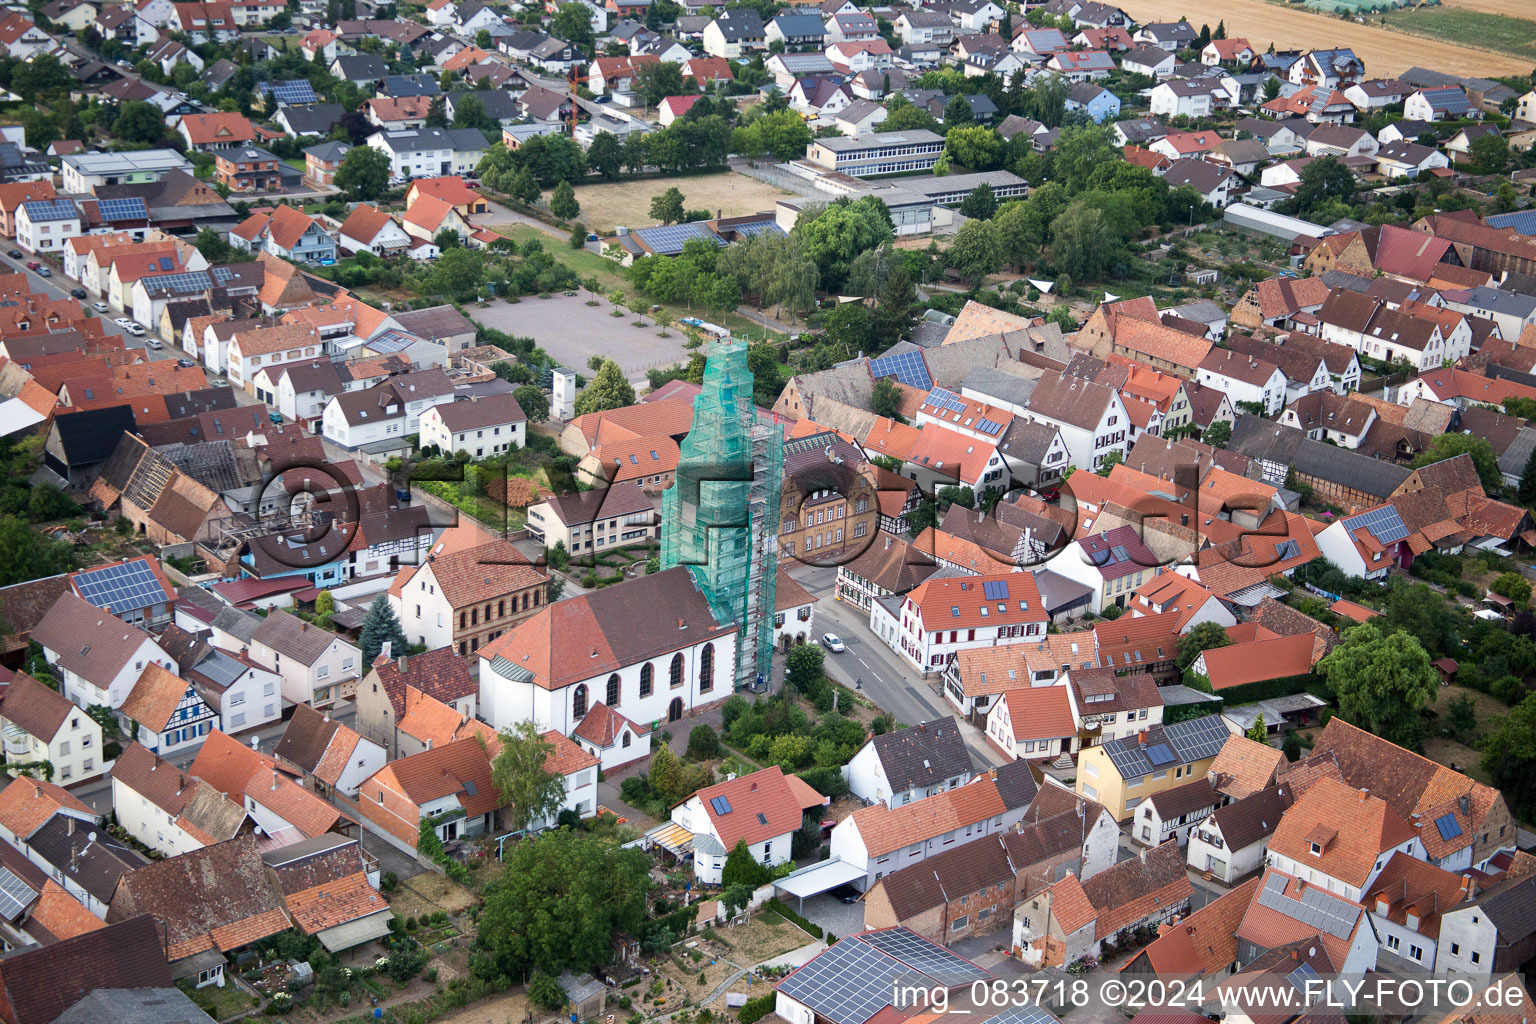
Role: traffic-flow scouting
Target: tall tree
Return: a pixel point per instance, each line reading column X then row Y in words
column 363, row 174
column 1323, row 181
column 606, row 155
column 1082, row 242
column 1528, row 481
column 534, row 403
column 562, row 201
column 668, row 206
column 1509, row 757
column 522, row 776
column 558, row 901
column 1203, row 637
column 979, row 203
column 608, row 390
column 655, row 82
column 573, row 23
column 1259, row 731
column 894, row 315
column 380, row 626
column 524, row 188
column 1382, row 683
column 975, row 252
column 885, row 399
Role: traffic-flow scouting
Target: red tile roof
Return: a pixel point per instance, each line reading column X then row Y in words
column 1040, row 713
column 1352, row 827
column 762, row 806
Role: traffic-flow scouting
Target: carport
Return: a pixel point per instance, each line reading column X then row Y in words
column 818, row 878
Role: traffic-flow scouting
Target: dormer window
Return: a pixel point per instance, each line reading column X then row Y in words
column 1317, row 849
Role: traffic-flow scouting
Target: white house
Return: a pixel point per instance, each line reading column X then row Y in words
column 242, row 694
column 1230, row 842
column 1244, row 378
column 369, row 229
column 1187, row 98
column 479, row 426
column 317, row 667
column 430, row 152
column 41, row 724
column 1114, row 564
column 1356, row 545
column 98, row 656
column 877, row 840
column 1033, row 723
column 1312, row 844
column 44, row 225
column 896, row 768
column 1406, row 902
column 1174, row 814
column 663, row 655
column 249, row 350
column 167, row 811
column 1091, row 417
column 613, row 739
column 165, row 712
column 944, row 615
column 762, row 810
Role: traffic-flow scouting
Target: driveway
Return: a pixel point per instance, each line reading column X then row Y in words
column 832, row 914
column 572, row 332
column 390, row 859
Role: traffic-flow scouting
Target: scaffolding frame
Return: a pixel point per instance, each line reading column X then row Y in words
column 721, row 516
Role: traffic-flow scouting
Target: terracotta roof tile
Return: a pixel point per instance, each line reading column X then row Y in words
column 27, row 803
column 1205, row 942
column 567, row 758
column 962, row 602
column 1271, row 658
column 153, row 699
column 334, row 903
column 292, row 802
column 443, row 771
column 1070, row 905
column 428, row 719
column 1409, row 885
column 1040, row 713
column 61, row 915
column 884, row 829
column 1138, row 888
column 1362, row 827
column 1244, row 767
column 601, row 725
column 38, row 710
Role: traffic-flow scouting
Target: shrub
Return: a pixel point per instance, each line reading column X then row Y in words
column 754, row 1010
column 703, row 743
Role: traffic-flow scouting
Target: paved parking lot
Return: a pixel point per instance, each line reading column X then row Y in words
column 832, row 914
column 572, row 332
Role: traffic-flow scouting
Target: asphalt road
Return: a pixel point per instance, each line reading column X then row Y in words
column 874, row 668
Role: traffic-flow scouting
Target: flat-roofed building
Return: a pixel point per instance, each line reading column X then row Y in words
column 878, row 153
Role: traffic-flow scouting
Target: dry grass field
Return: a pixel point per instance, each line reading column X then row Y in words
column 1384, row 52
column 604, row 207
column 1513, row 8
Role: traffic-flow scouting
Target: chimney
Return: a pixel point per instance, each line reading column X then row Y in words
column 400, row 664
column 1141, row 738
column 303, row 626
column 69, row 826
column 274, row 780
column 1382, row 906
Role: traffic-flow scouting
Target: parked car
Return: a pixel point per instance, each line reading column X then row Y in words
column 138, row 332
column 123, row 321
column 44, row 272
column 833, row 643
column 845, row 894
column 100, row 307
column 14, row 254
column 185, row 364
column 78, row 293
column 34, row 265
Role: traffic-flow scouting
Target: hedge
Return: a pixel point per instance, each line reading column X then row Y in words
column 1284, row 687
column 755, row 1009
column 789, row 915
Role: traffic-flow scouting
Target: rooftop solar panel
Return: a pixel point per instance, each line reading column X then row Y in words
column 1384, row 523
column 1315, row 909
column 1449, row 827
column 995, row 590
column 1160, row 754
column 121, row 588
column 922, row 955
column 131, row 208
column 907, row 367
column 39, row 210
column 15, row 895
column 297, row 90
column 847, row 984
column 986, row 426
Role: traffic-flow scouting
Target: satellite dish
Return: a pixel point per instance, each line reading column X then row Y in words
column 91, row 838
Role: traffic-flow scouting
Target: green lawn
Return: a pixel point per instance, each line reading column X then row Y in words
column 1499, row 32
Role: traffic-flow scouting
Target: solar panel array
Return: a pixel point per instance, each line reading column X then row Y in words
column 847, row 984
column 1022, row 1015
column 132, row 208
column 720, row 804
column 1301, row 976
column 15, row 895
column 39, row 210
column 223, row 275
column 1382, row 523
column 1160, row 754
column 296, row 90
column 995, row 590
column 670, row 238
column 942, row 398
column 191, row 281
column 1449, row 827
column 921, row 955
column 986, row 426
column 1198, row 737
column 1315, row 909
column 120, row 588
column 907, row 367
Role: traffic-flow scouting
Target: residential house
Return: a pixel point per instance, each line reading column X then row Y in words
column 42, row 725
column 1123, row 772
column 1406, row 901
column 878, row 840
column 1438, row 103
column 430, row 152
column 909, row 764
column 168, row 811
column 99, row 657
column 468, row 593
column 762, row 810
column 1099, row 103
column 1148, row 59
column 1339, row 838
column 285, row 232
column 450, row 783
column 437, row 679
column 45, row 225
column 1230, row 843
column 317, row 667
column 1174, row 814
column 1092, row 418
column 735, row 33
column 1072, row 919
column 1245, row 378
column 1168, row 35
column 942, row 616
column 209, row 133
column 370, row 229
column 606, row 517
column 1490, row 934
column 165, row 712
column 1112, row 564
